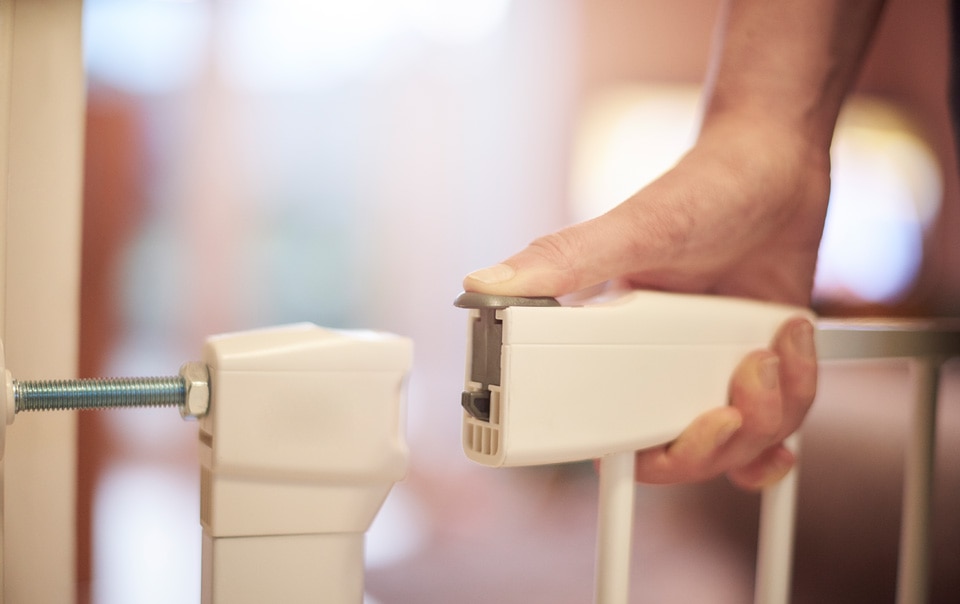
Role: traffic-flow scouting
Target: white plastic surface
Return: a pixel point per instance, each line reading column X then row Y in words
column 324, row 568
column 604, row 380
column 583, row 382
column 913, row 570
column 303, row 442
column 615, row 528
column 541, row 381
column 778, row 508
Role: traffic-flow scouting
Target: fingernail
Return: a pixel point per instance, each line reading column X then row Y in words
column 498, row 273
column 726, row 432
column 769, row 373
column 802, row 339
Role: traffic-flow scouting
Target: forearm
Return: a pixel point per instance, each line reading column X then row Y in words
column 788, row 63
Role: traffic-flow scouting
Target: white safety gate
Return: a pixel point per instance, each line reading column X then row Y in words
column 41, row 123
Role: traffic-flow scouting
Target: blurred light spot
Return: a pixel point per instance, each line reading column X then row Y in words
column 298, row 44
column 144, row 47
column 627, row 139
column 290, row 44
column 142, row 517
column 457, row 21
column 149, row 47
column 886, row 191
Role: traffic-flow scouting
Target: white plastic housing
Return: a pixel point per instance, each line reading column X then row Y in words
column 303, row 441
column 581, row 382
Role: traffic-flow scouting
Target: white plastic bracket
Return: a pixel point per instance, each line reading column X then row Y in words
column 303, row 442
column 553, row 384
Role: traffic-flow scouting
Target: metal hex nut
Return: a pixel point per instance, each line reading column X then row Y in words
column 196, row 399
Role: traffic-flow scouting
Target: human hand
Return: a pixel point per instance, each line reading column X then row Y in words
column 770, row 393
column 740, row 215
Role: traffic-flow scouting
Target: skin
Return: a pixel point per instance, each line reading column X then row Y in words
column 740, row 215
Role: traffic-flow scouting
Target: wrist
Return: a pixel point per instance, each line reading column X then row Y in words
column 789, row 64
column 752, row 138
column 809, row 129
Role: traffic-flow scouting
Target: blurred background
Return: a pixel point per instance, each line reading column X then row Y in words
column 252, row 163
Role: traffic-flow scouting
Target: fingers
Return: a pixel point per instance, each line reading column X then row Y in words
column 769, row 467
column 708, row 447
column 770, row 393
column 624, row 241
column 795, row 346
column 553, row 265
column 695, row 454
column 755, row 392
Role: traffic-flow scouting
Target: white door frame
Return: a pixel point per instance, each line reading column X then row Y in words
column 42, row 101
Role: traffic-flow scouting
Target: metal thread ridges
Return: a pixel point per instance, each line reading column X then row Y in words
column 98, row 393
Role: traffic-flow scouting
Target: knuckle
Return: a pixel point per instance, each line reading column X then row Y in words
column 765, row 431
column 800, row 382
column 560, row 252
column 558, row 249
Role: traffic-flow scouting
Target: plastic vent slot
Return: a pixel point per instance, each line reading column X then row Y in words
column 483, row 437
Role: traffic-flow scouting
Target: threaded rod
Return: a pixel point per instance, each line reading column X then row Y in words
column 98, row 393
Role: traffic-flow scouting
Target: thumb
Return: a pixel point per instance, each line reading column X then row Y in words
column 560, row 263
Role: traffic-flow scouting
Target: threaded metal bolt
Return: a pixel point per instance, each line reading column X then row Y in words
column 189, row 391
column 97, row 393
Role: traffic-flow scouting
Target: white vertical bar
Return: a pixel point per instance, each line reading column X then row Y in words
column 41, row 150
column 6, row 62
column 615, row 528
column 913, row 574
column 775, row 548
